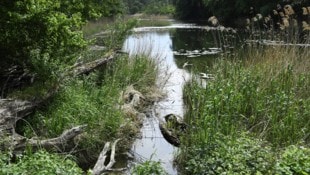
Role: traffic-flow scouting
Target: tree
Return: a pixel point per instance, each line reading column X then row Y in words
column 44, row 36
column 191, row 9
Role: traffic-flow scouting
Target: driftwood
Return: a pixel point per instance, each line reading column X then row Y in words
column 13, row 110
column 169, row 135
column 100, row 166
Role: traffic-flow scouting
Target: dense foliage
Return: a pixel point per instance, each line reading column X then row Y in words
column 45, row 35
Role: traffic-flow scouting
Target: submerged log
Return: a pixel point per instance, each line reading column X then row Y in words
column 172, row 128
column 168, row 134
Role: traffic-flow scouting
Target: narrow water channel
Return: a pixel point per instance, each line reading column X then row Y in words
column 172, row 47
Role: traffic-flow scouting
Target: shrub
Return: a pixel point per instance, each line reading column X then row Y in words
column 149, row 167
column 40, row 162
column 294, row 160
column 227, row 155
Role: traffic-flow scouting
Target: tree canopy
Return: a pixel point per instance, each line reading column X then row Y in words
column 228, row 10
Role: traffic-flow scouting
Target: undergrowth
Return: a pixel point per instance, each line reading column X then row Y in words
column 40, row 162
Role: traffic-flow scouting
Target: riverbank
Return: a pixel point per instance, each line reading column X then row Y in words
column 110, row 103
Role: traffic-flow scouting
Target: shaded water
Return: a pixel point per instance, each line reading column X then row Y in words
column 171, row 47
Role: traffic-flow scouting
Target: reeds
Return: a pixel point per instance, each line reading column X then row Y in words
column 264, row 94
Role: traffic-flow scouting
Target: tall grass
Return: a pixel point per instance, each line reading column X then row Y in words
column 265, row 94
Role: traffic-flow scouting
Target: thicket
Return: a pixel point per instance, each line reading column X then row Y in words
column 148, row 167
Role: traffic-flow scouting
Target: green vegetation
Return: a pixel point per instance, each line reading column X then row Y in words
column 153, row 21
column 155, row 7
column 159, row 8
column 95, row 100
column 40, row 162
column 149, row 167
column 259, row 99
column 45, row 36
column 253, row 119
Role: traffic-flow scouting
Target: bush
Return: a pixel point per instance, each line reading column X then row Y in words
column 227, row 155
column 294, row 160
column 149, row 167
column 40, row 162
column 38, row 36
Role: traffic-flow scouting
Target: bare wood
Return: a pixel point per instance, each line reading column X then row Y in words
column 12, row 110
column 54, row 143
column 112, row 157
column 90, row 66
column 100, row 167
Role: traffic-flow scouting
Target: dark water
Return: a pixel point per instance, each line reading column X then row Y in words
column 173, row 48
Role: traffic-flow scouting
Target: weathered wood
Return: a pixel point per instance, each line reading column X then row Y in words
column 91, row 66
column 20, row 142
column 12, row 110
column 100, row 167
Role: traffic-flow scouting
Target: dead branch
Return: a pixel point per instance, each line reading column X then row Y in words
column 100, row 167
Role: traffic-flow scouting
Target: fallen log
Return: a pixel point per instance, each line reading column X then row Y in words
column 85, row 68
column 59, row 143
